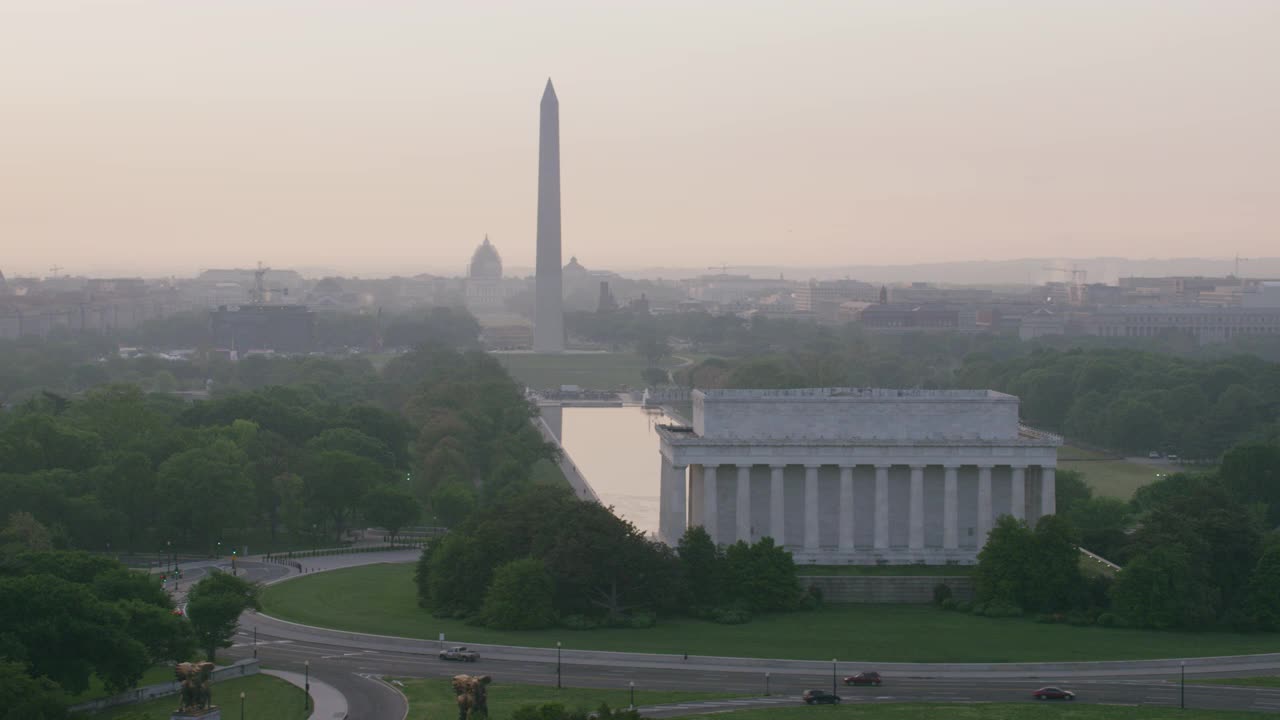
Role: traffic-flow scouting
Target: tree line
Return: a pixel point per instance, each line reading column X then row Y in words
column 537, row 557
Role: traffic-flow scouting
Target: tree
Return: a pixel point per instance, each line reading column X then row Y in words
column 1251, row 471
column 701, row 567
column 452, row 502
column 762, row 576
column 335, row 482
column 1054, row 572
column 1101, row 524
column 24, row 532
column 1004, row 564
column 23, row 697
column 391, row 508
column 1262, row 604
column 520, row 597
column 1070, row 489
column 1162, row 588
column 653, row 376
column 214, row 606
column 204, row 490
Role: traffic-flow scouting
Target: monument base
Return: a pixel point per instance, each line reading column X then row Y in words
column 213, row 713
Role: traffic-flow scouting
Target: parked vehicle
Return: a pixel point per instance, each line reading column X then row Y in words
column 1053, row 693
column 820, row 697
column 864, row 678
column 460, row 653
column 1154, row 454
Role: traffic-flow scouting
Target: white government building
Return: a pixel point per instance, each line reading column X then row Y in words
column 855, row 475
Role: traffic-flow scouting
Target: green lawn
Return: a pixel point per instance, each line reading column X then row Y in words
column 381, row 599
column 266, row 698
column 435, row 698
column 546, row 472
column 155, row 674
column 983, row 711
column 896, row 570
column 1269, row 681
column 596, row 371
column 1107, row 475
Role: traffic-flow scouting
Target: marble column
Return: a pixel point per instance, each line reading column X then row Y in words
column 951, row 508
column 882, row 507
column 916, row 518
column 984, row 504
column 1048, row 490
column 777, row 508
column 811, row 507
column 1018, row 493
column 672, row 519
column 710, row 511
column 744, row 503
column 846, row 508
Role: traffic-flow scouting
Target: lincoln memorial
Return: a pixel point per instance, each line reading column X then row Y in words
column 855, row 475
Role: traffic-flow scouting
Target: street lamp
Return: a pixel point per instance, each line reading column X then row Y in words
column 306, row 698
column 241, row 705
column 557, row 664
column 632, row 683
column 168, row 545
column 1182, row 688
column 255, row 641
column 833, row 676
column 766, row 684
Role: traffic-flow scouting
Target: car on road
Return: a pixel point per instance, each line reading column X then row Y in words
column 864, row 678
column 1053, row 693
column 1171, row 458
column 1154, row 454
column 460, row 653
column 820, row 697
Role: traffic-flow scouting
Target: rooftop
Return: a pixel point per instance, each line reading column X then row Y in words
column 853, row 393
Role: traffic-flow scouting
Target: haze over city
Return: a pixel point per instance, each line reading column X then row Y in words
column 153, row 137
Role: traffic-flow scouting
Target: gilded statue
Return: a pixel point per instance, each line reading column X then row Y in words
column 196, row 679
column 473, row 701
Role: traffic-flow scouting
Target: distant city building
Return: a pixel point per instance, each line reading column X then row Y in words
column 607, row 303
column 242, row 329
column 1207, row 325
column 1042, row 322
column 908, row 317
column 484, row 280
column 824, row 298
column 855, row 475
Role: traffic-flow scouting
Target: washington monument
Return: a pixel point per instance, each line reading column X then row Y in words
column 548, row 308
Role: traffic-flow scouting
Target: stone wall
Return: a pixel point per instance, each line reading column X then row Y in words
column 899, row 589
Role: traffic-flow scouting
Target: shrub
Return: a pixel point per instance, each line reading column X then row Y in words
column 1077, row 618
column 1046, row 618
column 642, row 620
column 580, row 622
column 948, row 604
column 1000, row 609
column 732, row 616
column 941, row 593
column 964, row 606
column 1107, row 619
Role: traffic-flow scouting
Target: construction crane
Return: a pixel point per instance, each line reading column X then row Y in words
column 1079, row 276
column 259, row 285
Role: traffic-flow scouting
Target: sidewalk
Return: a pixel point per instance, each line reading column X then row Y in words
column 327, row 702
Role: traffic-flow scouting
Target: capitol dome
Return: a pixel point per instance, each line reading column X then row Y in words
column 485, row 262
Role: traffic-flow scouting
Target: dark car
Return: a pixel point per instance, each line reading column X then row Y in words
column 820, row 697
column 1053, row 693
column 864, row 678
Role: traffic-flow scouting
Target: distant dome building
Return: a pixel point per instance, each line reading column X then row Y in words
column 484, row 280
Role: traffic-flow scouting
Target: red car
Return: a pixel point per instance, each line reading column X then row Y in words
column 863, row 678
column 1053, row 693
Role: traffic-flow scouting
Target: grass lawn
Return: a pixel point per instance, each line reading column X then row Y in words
column 155, row 674
column 595, row 371
column 382, row 599
column 266, row 698
column 546, row 472
column 982, row 711
column 435, row 698
column 896, row 570
column 1107, row 475
column 1269, row 681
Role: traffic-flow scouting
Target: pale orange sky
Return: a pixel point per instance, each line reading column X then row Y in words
column 378, row 136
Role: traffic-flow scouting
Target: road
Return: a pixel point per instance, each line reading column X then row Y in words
column 352, row 663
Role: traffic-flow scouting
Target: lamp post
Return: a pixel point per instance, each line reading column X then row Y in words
column 1182, row 687
column 833, row 676
column 255, row 641
column 168, row 551
column 241, row 705
column 632, row 683
column 306, row 698
column 766, row 684
column 557, row 664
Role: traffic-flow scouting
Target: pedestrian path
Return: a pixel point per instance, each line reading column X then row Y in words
column 326, row 702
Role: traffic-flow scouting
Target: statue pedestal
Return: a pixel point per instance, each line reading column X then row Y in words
column 213, row 713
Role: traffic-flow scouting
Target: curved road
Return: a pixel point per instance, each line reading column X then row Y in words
column 353, row 662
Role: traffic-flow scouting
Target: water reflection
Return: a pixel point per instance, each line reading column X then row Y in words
column 617, row 451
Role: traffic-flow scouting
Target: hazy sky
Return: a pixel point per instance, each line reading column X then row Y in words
column 165, row 136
